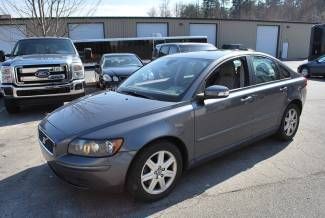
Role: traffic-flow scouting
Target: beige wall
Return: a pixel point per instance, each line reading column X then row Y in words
column 229, row 31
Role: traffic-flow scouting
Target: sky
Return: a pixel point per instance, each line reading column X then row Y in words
column 130, row 7
column 116, row 7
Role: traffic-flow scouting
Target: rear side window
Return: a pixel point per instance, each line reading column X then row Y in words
column 163, row 51
column 265, row 69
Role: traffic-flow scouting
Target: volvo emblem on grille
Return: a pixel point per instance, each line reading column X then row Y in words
column 42, row 73
column 44, row 139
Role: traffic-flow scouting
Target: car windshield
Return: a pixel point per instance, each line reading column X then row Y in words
column 121, row 61
column 197, row 47
column 165, row 79
column 43, row 46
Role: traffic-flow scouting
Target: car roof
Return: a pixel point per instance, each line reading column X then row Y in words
column 184, row 43
column 47, row 37
column 217, row 54
column 118, row 54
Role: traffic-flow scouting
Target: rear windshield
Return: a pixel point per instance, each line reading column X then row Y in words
column 43, row 46
column 197, row 47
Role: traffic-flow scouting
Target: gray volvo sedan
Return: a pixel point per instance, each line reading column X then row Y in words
column 169, row 116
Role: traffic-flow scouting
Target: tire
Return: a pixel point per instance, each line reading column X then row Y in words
column 289, row 123
column 305, row 72
column 11, row 106
column 151, row 189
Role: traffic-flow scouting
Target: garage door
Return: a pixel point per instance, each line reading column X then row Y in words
column 9, row 35
column 267, row 39
column 152, row 29
column 209, row 30
column 86, row 31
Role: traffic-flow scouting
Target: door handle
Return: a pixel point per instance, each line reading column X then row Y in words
column 247, row 99
column 284, row 89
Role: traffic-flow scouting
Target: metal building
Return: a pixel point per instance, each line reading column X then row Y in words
column 287, row 40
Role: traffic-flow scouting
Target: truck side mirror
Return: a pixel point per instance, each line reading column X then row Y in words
column 88, row 53
column 2, row 56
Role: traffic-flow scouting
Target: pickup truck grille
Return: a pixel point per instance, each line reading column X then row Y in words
column 42, row 74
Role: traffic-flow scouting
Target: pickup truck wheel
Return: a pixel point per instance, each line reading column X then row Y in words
column 289, row 123
column 155, row 171
column 11, row 106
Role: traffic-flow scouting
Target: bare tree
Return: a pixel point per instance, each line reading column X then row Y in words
column 46, row 17
column 152, row 12
column 165, row 9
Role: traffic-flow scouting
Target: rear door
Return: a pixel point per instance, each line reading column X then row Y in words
column 271, row 88
column 223, row 123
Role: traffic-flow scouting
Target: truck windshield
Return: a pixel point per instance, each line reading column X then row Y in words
column 43, row 46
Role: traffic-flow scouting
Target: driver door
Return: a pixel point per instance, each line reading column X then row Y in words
column 223, row 123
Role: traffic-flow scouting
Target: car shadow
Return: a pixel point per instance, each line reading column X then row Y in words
column 38, row 192
column 27, row 114
column 30, row 113
column 319, row 79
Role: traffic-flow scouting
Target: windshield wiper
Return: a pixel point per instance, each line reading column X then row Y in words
column 136, row 94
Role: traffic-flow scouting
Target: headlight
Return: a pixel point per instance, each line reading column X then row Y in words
column 78, row 71
column 7, row 73
column 95, row 148
column 107, row 78
column 115, row 78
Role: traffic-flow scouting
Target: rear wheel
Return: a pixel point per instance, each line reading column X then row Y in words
column 289, row 123
column 11, row 106
column 155, row 171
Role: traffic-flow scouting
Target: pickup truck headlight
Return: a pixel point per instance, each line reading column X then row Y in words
column 78, row 71
column 6, row 74
column 95, row 148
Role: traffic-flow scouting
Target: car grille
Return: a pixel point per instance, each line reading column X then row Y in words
column 41, row 74
column 46, row 141
column 122, row 78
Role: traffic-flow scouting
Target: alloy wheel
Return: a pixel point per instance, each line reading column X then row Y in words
column 290, row 122
column 304, row 72
column 159, row 172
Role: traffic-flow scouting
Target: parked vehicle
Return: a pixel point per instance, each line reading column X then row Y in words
column 313, row 68
column 234, row 47
column 41, row 71
column 141, row 46
column 115, row 68
column 168, row 116
column 317, row 42
column 173, row 48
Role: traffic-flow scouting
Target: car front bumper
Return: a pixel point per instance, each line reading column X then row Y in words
column 107, row 173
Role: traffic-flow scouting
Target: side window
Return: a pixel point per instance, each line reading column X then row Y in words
column 265, row 70
column 232, row 74
column 163, row 51
column 284, row 73
column 173, row 49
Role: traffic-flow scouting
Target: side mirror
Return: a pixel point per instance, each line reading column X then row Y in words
column 88, row 53
column 214, row 91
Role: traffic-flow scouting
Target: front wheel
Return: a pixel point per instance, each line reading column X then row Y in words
column 155, row 171
column 289, row 123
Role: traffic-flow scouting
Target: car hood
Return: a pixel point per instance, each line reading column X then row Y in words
column 120, row 71
column 97, row 111
column 42, row 59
